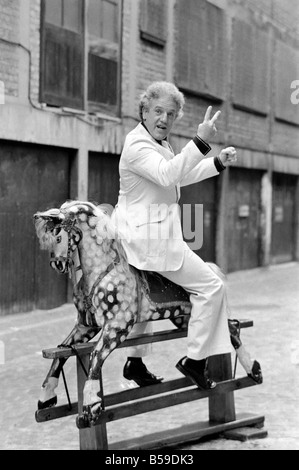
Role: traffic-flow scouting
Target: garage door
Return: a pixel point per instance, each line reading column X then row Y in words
column 204, row 193
column 243, row 229
column 283, row 217
column 32, row 178
column 103, row 178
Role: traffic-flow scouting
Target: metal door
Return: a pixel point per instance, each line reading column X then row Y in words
column 243, row 230
column 103, row 178
column 32, row 178
column 283, row 217
column 203, row 193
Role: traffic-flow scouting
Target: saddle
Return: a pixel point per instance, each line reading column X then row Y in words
column 161, row 290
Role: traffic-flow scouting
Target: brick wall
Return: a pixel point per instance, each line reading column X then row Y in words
column 35, row 47
column 126, row 57
column 9, row 25
column 277, row 20
column 249, row 108
column 9, row 31
column 148, row 62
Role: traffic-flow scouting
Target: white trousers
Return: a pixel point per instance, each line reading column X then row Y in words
column 208, row 332
column 142, row 349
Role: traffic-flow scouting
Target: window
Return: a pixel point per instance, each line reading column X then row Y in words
column 202, row 49
column 153, row 21
column 64, row 13
column 251, row 68
column 103, row 53
column 80, row 54
column 286, row 70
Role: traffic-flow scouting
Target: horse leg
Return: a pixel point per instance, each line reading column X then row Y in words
column 111, row 337
column 251, row 367
column 79, row 334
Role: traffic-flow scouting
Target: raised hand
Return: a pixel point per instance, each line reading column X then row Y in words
column 207, row 129
column 228, row 156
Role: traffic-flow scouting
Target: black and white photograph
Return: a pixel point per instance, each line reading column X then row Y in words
column 149, row 227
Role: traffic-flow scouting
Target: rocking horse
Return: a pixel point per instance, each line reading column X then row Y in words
column 109, row 294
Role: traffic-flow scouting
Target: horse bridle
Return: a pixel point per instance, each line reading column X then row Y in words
column 74, row 238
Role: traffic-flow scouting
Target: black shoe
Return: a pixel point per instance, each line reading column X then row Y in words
column 256, row 373
column 138, row 372
column 198, row 374
column 41, row 405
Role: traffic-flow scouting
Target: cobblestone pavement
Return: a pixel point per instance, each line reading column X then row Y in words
column 268, row 296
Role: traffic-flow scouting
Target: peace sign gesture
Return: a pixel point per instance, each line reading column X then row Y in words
column 207, row 129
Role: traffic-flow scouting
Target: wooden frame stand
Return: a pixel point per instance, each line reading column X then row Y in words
column 124, row 404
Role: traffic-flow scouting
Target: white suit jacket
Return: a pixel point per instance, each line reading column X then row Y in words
column 147, row 216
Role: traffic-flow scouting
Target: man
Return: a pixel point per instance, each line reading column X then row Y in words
column 149, row 224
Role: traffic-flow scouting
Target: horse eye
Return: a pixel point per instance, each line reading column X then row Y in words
column 58, row 239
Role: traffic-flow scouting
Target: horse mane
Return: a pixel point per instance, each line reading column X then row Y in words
column 44, row 233
column 98, row 218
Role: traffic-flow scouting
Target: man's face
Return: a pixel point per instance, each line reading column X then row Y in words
column 160, row 116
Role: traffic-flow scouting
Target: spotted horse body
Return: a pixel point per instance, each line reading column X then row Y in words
column 109, row 294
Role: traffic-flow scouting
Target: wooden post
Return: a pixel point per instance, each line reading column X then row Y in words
column 221, row 407
column 95, row 437
column 266, row 219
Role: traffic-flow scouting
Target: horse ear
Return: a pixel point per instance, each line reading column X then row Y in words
column 50, row 214
column 106, row 208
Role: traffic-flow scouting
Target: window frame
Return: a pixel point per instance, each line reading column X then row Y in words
column 194, row 77
column 149, row 24
column 82, row 102
column 95, row 107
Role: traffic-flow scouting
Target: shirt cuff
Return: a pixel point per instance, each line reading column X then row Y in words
column 202, row 146
column 218, row 164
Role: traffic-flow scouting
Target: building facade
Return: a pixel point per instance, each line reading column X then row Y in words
column 71, row 72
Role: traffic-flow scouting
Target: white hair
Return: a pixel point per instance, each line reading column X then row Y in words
column 158, row 89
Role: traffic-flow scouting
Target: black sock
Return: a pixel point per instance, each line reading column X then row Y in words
column 198, row 365
column 137, row 360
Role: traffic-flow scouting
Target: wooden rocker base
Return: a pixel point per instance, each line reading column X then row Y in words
column 187, row 434
column 223, row 419
column 245, row 433
column 132, row 406
column 135, row 402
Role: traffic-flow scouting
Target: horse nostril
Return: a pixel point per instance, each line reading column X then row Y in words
column 58, row 266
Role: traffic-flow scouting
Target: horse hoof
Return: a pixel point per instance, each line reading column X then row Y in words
column 83, row 421
column 41, row 405
column 95, row 412
column 89, row 416
column 256, row 373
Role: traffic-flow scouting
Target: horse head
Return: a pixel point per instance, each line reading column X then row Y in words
column 60, row 231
